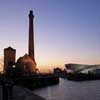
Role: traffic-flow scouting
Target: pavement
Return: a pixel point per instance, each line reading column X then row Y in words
column 20, row 93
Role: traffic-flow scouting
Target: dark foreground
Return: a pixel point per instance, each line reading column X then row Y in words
column 37, row 81
column 24, row 86
column 20, row 93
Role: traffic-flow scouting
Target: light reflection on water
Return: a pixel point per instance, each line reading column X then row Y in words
column 70, row 90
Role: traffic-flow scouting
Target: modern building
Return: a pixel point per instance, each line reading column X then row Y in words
column 9, row 57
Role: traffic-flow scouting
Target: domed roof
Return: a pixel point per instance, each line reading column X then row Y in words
column 27, row 62
column 26, row 58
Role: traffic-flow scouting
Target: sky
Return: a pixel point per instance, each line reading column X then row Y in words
column 66, row 31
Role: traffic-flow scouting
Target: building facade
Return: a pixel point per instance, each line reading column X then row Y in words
column 9, row 57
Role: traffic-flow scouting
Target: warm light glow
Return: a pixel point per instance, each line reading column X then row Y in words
column 64, row 31
column 1, row 64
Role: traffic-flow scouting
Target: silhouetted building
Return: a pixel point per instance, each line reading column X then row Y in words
column 31, row 37
column 9, row 57
column 58, row 72
column 26, row 64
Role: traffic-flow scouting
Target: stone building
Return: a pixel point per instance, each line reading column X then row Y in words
column 31, row 38
column 9, row 57
column 27, row 62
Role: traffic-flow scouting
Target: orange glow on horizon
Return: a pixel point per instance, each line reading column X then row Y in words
column 48, row 65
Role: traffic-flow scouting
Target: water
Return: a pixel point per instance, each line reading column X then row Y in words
column 69, row 90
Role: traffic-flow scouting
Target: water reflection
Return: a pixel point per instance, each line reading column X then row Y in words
column 69, row 90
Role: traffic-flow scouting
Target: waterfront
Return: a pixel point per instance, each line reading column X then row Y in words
column 71, row 90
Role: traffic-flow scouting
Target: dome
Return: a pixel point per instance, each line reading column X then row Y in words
column 27, row 63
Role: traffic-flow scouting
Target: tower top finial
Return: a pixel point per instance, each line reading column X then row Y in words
column 31, row 11
column 31, row 14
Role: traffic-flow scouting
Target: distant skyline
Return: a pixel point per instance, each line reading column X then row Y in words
column 66, row 31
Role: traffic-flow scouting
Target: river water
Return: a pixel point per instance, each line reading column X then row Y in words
column 70, row 90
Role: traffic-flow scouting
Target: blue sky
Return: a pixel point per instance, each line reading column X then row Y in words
column 66, row 31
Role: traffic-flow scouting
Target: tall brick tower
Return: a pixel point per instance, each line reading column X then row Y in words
column 31, row 36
